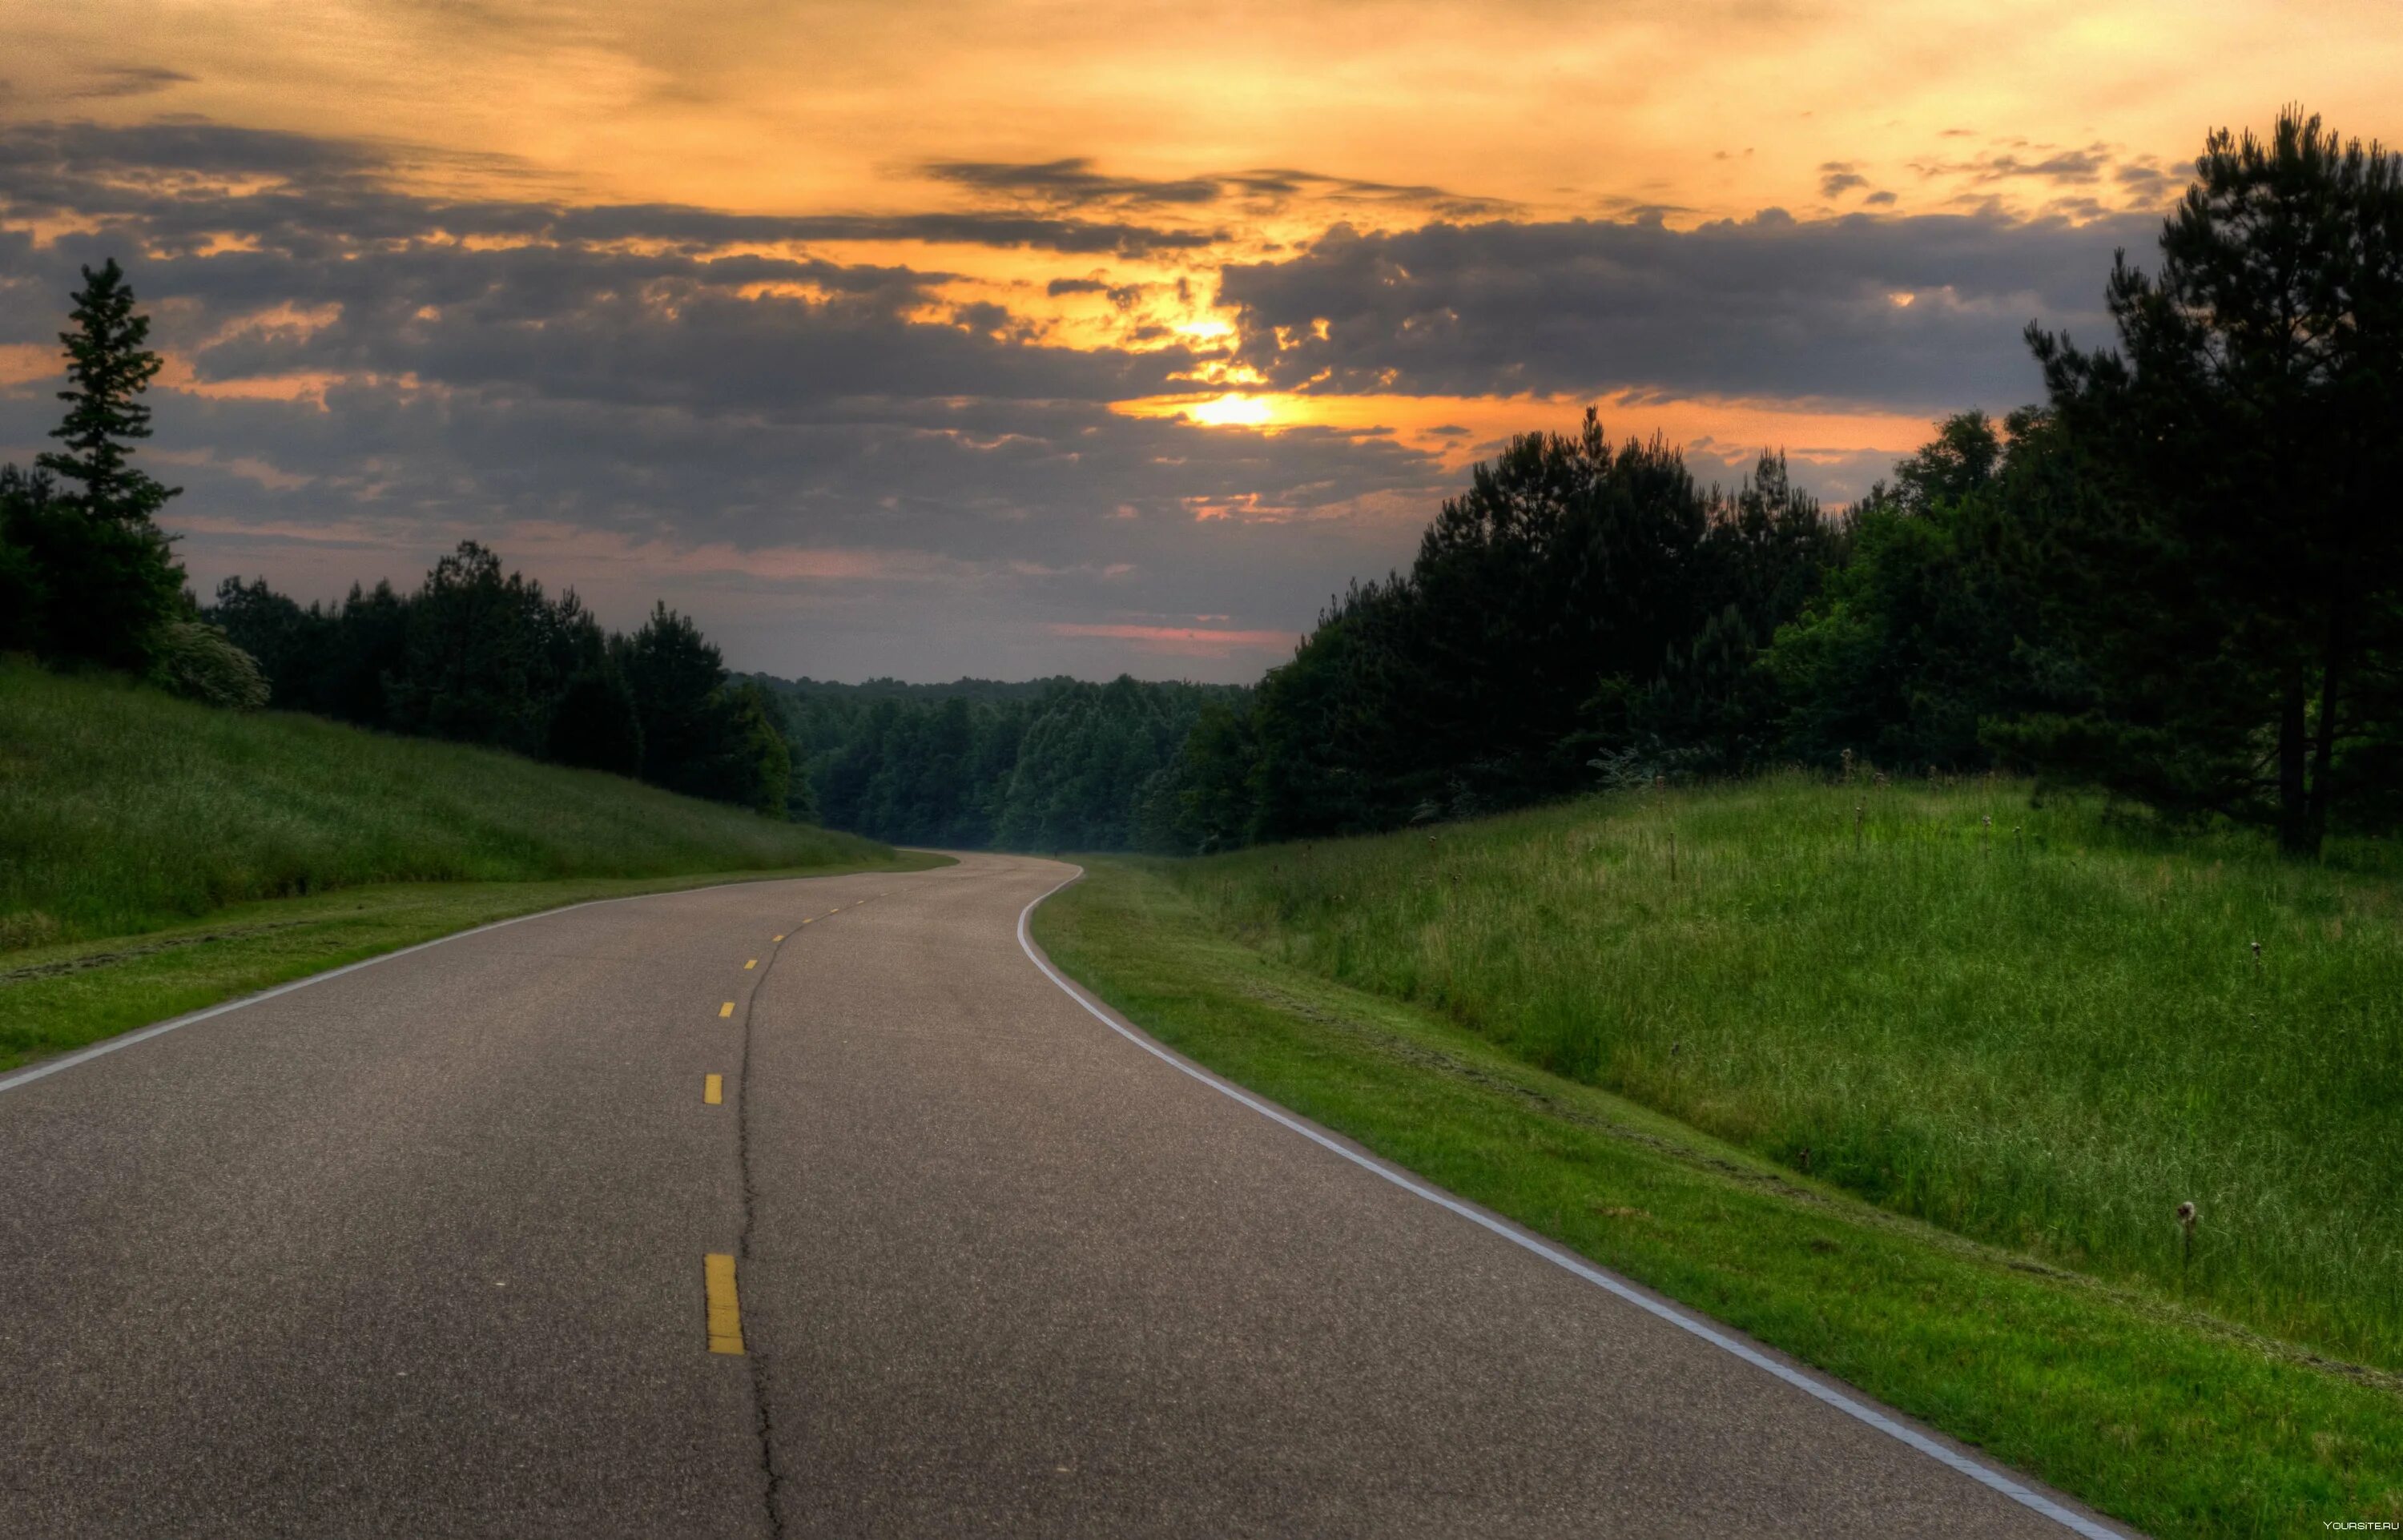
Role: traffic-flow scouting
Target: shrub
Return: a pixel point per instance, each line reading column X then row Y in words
column 198, row 662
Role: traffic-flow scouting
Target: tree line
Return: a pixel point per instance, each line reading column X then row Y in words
column 89, row 580
column 86, row 574
column 478, row 656
column 2178, row 577
column 1053, row 764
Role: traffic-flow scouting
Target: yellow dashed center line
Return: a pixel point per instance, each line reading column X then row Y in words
column 713, row 1089
column 726, row 1010
column 725, row 1311
column 779, row 938
column 753, row 963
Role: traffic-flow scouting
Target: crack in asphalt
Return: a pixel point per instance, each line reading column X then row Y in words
column 763, row 1408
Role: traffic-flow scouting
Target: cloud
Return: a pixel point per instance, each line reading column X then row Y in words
column 129, row 81
column 853, row 466
column 1074, row 184
column 842, row 466
column 2021, row 161
column 187, row 179
column 1837, row 178
column 1921, row 314
column 1184, row 641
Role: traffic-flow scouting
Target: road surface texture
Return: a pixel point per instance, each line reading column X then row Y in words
column 419, row 1250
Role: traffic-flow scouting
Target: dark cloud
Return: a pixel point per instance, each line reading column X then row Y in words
column 2148, row 178
column 1283, row 185
column 188, row 181
column 1073, row 184
column 129, row 81
column 1837, row 178
column 841, row 467
column 625, row 389
column 1921, row 312
column 2024, row 161
column 706, row 228
column 1124, row 295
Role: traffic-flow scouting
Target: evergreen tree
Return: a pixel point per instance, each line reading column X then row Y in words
column 102, row 572
column 676, row 672
column 2233, row 562
column 476, row 666
column 108, row 369
column 1920, row 637
column 595, row 724
column 23, row 594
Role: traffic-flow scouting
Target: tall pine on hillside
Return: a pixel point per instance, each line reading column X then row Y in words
column 107, row 579
column 109, row 367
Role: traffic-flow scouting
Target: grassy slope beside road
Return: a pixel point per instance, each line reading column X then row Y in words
column 2153, row 1411
column 2046, row 1033
column 157, row 856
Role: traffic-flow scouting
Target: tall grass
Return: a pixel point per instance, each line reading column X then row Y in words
column 2029, row 1024
column 122, row 810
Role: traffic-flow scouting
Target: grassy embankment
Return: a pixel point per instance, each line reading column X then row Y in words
column 157, row 857
column 2041, row 1039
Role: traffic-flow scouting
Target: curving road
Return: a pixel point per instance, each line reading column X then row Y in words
column 419, row 1250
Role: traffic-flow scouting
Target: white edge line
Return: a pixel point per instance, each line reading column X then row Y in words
column 127, row 1039
column 1974, row 1471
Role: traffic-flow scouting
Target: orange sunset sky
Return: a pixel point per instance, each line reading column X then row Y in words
column 1009, row 339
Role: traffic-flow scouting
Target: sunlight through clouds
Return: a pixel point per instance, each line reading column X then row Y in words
column 1224, row 300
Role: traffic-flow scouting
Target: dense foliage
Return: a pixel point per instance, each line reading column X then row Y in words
column 1053, row 764
column 87, row 577
column 2232, row 570
column 477, row 655
column 2179, row 579
column 86, row 574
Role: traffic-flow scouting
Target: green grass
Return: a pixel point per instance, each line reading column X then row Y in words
column 2047, row 1035
column 2157, row 1411
column 157, row 856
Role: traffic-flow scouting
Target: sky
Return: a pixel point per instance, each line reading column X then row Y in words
column 1010, row 340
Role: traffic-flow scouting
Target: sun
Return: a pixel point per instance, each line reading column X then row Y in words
column 1233, row 409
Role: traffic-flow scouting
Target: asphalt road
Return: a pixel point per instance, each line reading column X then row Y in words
column 419, row 1250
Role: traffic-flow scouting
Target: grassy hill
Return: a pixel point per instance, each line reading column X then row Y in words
column 248, row 849
column 2026, row 1024
column 1913, row 1094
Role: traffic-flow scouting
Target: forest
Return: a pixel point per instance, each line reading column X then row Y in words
column 1053, row 764
column 2178, row 578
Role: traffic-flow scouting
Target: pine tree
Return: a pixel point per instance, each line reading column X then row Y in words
column 104, row 574
column 2237, row 560
column 108, row 369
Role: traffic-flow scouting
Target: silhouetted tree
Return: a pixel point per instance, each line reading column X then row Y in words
column 2232, row 562
column 80, row 531
column 595, row 724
